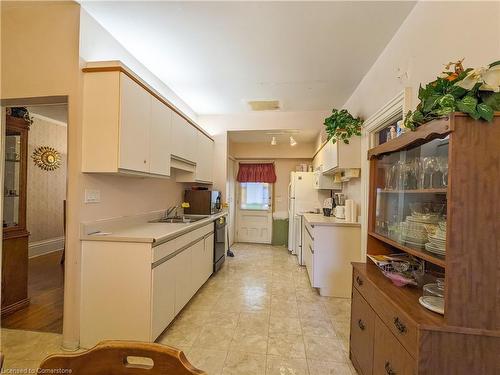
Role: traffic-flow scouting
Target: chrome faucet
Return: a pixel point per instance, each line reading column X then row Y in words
column 170, row 210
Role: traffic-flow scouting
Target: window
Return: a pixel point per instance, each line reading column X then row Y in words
column 255, row 196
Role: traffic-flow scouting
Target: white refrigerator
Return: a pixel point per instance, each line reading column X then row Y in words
column 302, row 197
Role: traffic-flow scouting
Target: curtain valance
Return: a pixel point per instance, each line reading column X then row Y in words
column 262, row 172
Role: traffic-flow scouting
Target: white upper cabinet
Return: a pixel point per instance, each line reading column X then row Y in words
column 183, row 139
column 129, row 129
column 135, row 124
column 333, row 157
column 330, row 154
column 204, row 162
column 161, row 134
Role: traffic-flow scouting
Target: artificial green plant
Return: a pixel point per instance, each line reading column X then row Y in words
column 341, row 126
column 473, row 91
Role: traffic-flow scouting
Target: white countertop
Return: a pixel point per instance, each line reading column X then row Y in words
column 320, row 219
column 140, row 230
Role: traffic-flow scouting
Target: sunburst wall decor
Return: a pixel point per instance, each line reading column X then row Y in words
column 46, row 158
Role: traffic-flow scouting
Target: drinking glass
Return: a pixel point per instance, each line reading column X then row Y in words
column 430, row 167
column 443, row 168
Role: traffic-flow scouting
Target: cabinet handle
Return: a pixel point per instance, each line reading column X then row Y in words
column 361, row 325
column 399, row 325
column 144, row 161
column 359, row 280
column 388, row 369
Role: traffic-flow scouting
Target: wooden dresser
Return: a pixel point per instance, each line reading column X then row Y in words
column 391, row 333
column 15, row 234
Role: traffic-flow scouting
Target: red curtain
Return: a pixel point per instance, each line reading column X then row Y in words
column 256, row 173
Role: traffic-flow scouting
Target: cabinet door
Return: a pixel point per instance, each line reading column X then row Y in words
column 197, row 256
column 184, row 141
column 161, row 129
column 183, row 276
column 135, row 123
column 163, row 297
column 362, row 332
column 390, row 357
column 330, row 156
column 205, row 155
column 208, row 258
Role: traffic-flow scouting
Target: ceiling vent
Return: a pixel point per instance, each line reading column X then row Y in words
column 264, row 105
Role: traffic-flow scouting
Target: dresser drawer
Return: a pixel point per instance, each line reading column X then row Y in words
column 362, row 332
column 403, row 328
column 390, row 357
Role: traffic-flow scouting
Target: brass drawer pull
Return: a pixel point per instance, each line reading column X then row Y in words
column 361, row 325
column 399, row 325
column 359, row 280
column 388, row 369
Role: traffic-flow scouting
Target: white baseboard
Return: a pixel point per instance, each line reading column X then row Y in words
column 38, row 248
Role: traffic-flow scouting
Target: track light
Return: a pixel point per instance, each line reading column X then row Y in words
column 273, row 141
column 293, row 142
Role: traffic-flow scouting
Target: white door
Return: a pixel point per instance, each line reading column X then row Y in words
column 254, row 212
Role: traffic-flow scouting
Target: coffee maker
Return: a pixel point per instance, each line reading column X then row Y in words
column 339, row 199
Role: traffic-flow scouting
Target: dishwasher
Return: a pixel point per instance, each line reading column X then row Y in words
column 219, row 242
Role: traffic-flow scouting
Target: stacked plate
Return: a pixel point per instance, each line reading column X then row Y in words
column 415, row 233
column 437, row 241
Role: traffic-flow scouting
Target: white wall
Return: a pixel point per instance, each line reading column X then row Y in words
column 219, row 125
column 433, row 34
column 97, row 44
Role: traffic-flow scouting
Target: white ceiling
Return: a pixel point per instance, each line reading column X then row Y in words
column 265, row 136
column 218, row 55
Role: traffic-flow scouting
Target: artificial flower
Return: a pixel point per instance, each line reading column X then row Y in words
column 491, row 79
column 470, row 80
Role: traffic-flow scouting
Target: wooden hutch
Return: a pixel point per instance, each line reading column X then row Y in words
column 15, row 234
column 391, row 333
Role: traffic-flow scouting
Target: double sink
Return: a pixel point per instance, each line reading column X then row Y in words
column 186, row 219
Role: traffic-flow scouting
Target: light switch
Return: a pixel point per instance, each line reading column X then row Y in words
column 92, row 196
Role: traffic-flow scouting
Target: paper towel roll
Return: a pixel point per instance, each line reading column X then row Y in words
column 348, row 210
column 354, row 213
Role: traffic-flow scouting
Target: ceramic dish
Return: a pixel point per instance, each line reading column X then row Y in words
column 435, row 304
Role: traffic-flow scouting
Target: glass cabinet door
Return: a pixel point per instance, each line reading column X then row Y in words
column 410, row 197
column 12, row 179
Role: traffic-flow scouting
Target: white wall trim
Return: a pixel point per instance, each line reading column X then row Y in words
column 397, row 106
column 45, row 246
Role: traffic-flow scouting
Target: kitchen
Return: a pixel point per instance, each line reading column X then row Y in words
column 293, row 195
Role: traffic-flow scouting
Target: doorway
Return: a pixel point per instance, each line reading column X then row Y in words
column 34, row 190
column 254, row 212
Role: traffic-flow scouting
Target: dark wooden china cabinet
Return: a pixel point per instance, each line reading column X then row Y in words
column 434, row 194
column 15, row 233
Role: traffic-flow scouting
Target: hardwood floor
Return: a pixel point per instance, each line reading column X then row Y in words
column 46, row 292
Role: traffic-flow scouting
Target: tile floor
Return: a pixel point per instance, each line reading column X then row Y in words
column 258, row 315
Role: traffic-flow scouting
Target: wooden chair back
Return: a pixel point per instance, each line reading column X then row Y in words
column 123, row 358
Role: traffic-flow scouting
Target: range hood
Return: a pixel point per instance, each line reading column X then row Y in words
column 182, row 164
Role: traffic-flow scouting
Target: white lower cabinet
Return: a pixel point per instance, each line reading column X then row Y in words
column 328, row 253
column 183, row 275
column 163, row 296
column 208, row 258
column 132, row 291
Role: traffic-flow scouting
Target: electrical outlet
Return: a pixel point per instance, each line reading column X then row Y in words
column 92, row 196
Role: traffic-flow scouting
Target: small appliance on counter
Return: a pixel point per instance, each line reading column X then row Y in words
column 327, row 207
column 202, row 202
column 339, row 205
